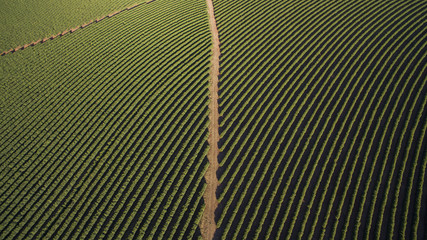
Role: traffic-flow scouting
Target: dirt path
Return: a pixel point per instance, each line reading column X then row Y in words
column 72, row 29
column 208, row 225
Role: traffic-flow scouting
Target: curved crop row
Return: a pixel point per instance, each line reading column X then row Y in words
column 319, row 100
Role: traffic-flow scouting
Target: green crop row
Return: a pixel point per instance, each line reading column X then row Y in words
column 307, row 87
column 363, row 120
column 114, row 140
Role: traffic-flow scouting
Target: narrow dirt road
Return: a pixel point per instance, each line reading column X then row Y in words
column 208, row 225
column 72, row 29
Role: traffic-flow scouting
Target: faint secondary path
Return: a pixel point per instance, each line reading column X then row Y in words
column 208, row 225
column 73, row 29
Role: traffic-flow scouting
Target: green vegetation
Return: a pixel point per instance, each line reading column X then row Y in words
column 323, row 119
column 103, row 131
column 323, row 107
column 25, row 21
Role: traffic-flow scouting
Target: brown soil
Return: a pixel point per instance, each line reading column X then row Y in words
column 208, row 225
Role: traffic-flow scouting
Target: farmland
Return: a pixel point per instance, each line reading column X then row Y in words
column 213, row 119
column 103, row 131
column 323, row 107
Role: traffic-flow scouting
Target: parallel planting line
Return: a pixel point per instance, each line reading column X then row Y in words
column 103, row 168
column 304, row 105
column 207, row 225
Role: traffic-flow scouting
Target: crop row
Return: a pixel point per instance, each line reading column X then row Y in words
column 309, row 105
column 115, row 145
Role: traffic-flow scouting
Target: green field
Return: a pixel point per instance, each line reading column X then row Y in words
column 108, row 139
column 323, row 119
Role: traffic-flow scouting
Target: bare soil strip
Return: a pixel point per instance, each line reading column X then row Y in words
column 72, row 29
column 208, row 225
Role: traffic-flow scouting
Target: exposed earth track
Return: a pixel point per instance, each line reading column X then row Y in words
column 208, row 225
column 71, row 30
